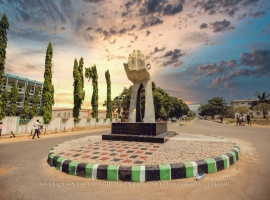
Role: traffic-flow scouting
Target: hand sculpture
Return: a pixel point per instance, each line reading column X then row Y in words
column 135, row 68
column 137, row 73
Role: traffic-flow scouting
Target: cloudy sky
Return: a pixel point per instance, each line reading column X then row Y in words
column 198, row 49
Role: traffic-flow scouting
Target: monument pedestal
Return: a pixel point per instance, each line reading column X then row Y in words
column 138, row 132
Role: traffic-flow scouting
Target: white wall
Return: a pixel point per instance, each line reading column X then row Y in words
column 55, row 123
column 10, row 124
column 100, row 122
column 69, row 124
column 93, row 122
column 82, row 122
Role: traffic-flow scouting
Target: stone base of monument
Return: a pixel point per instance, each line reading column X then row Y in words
column 139, row 132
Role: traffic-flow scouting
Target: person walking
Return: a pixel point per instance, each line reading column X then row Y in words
column 36, row 126
column 237, row 120
column 221, row 118
column 243, row 120
column 248, row 120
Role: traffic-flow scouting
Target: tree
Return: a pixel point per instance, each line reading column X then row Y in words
column 109, row 98
column 35, row 110
column 262, row 98
column 13, row 99
column 262, row 107
column 116, row 105
column 48, row 88
column 165, row 105
column 25, row 111
column 215, row 106
column 241, row 110
column 125, row 97
column 4, row 26
column 91, row 73
column 5, row 98
column 78, row 92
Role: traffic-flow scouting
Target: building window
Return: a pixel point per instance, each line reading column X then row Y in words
column 258, row 113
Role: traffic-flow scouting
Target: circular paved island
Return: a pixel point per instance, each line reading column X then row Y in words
column 183, row 156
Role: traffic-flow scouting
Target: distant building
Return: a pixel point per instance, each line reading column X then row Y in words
column 9, row 80
column 247, row 104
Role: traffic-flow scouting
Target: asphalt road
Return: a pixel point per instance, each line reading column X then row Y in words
column 24, row 173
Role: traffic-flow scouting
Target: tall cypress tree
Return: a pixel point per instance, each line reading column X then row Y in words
column 25, row 111
column 35, row 103
column 48, row 88
column 75, row 90
column 4, row 25
column 78, row 92
column 109, row 99
column 91, row 73
column 5, row 98
column 13, row 99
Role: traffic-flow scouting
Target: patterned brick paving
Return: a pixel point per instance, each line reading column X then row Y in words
column 116, row 151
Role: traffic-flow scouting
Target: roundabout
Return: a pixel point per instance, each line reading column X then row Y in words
column 182, row 156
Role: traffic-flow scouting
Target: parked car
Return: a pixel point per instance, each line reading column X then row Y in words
column 173, row 119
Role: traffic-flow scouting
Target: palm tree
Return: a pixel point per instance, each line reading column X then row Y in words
column 262, row 104
column 262, row 98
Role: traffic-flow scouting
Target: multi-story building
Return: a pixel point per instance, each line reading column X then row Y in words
column 247, row 104
column 21, row 82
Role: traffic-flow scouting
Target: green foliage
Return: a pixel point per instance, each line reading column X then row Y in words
column 164, row 104
column 4, row 25
column 124, row 99
column 13, row 99
column 78, row 92
column 48, row 88
column 262, row 104
column 91, row 73
column 25, row 111
column 241, row 110
column 108, row 102
column 116, row 105
column 215, row 106
column 35, row 111
column 5, row 98
column 262, row 98
column 263, row 107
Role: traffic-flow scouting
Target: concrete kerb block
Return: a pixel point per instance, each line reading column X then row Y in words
column 211, row 165
column 89, row 170
column 59, row 163
column 72, row 168
column 144, row 173
column 112, row 173
column 165, row 172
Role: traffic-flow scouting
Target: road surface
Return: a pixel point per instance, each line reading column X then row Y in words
column 24, row 173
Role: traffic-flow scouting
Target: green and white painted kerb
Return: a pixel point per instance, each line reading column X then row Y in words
column 144, row 173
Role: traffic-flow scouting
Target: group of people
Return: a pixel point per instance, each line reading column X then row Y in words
column 37, row 127
column 241, row 120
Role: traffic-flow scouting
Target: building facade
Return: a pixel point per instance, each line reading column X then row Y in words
column 22, row 83
column 247, row 104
